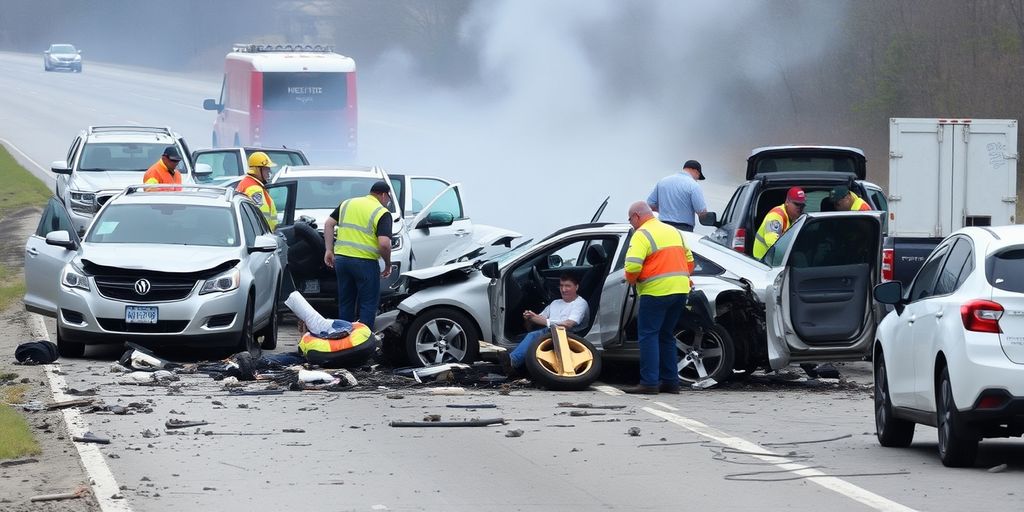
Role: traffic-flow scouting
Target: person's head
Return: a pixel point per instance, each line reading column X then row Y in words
column 842, row 198
column 692, row 167
column 382, row 191
column 569, row 286
column 259, row 166
column 639, row 212
column 170, row 157
column 796, row 200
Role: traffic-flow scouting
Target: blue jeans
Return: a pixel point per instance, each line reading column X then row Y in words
column 358, row 287
column 656, row 323
column 518, row 355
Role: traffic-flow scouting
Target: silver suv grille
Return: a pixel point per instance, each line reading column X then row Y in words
column 160, row 289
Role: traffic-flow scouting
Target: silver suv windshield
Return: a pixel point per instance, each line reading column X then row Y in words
column 174, row 224
column 120, row 156
column 62, row 48
column 327, row 192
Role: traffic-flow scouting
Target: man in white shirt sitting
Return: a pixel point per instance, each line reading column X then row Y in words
column 569, row 311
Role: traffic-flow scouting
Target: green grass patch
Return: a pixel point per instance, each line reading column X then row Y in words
column 16, row 440
column 21, row 189
column 13, row 288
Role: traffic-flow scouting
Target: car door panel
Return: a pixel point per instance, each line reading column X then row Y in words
column 822, row 299
column 429, row 242
column 44, row 263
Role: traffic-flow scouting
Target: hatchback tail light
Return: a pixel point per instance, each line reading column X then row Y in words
column 887, row 258
column 981, row 315
column 739, row 240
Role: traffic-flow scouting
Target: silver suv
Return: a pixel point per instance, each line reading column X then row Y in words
column 192, row 267
column 103, row 160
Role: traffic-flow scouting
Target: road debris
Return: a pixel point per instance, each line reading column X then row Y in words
column 293, row 431
column 174, row 423
column 704, row 383
column 809, row 442
column 589, row 406
column 514, row 433
column 464, row 423
column 634, row 431
column 472, row 406
column 89, row 437
column 585, row 413
column 81, row 491
column 448, row 391
column 432, row 417
column 69, row 403
column 394, row 396
column 997, row 469
column 10, row 463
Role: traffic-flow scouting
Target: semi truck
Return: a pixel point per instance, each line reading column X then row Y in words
column 945, row 174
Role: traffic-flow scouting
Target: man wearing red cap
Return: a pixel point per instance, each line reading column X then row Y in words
column 778, row 221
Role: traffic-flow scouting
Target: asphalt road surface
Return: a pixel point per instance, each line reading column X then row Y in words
column 764, row 446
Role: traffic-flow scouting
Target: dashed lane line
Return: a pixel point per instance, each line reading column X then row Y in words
column 104, row 486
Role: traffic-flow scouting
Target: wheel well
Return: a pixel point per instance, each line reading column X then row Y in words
column 734, row 311
column 433, row 308
column 940, row 364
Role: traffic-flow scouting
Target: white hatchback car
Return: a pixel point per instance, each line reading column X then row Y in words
column 951, row 355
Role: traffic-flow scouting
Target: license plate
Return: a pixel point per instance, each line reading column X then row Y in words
column 312, row 286
column 140, row 314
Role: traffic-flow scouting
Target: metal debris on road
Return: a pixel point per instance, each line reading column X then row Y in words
column 448, row 391
column 432, row 417
column 585, row 413
column 394, row 396
column 174, row 423
column 463, row 423
column 89, row 437
column 704, row 383
column 514, row 433
column 293, row 431
column 69, row 403
column 77, row 493
column 472, row 406
column 589, row 406
column 634, row 431
column 10, row 463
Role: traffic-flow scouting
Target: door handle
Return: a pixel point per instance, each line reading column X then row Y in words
column 32, row 251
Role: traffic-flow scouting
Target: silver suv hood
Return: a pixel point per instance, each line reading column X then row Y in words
column 91, row 181
column 158, row 257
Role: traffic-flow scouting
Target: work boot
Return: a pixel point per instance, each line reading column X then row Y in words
column 669, row 388
column 641, row 389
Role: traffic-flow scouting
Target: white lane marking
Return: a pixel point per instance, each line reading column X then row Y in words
column 608, row 390
column 831, row 483
column 23, row 154
column 666, row 406
column 104, row 486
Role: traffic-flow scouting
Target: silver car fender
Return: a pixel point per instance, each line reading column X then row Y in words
column 469, row 296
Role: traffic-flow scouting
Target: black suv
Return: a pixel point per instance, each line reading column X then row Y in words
column 771, row 171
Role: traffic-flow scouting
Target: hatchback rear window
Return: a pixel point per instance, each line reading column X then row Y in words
column 1005, row 269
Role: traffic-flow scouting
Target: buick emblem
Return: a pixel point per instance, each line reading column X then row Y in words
column 142, row 286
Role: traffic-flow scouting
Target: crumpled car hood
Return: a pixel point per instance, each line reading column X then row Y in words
column 431, row 272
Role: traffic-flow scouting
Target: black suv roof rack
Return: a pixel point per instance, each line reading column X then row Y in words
column 268, row 48
column 130, row 128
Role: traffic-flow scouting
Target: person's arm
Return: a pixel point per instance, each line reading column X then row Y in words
column 329, row 226
column 652, row 199
column 700, row 206
column 384, row 226
column 541, row 319
column 638, row 250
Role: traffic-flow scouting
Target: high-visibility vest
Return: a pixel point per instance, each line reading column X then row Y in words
column 253, row 188
column 658, row 261
column 158, row 174
column 356, row 234
column 359, row 335
column 768, row 233
column 859, row 205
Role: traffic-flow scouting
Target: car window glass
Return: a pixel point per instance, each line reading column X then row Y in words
column 223, row 163
column 176, row 224
column 54, row 218
column 397, row 186
column 223, row 91
column 1005, row 269
column 249, row 223
column 924, row 283
column 282, row 158
column 704, row 267
column 778, row 250
column 965, row 272
column 950, row 273
column 326, row 192
column 120, row 156
column 727, row 212
column 449, row 202
column 71, row 151
column 833, row 242
column 425, row 190
column 571, row 254
column 260, row 220
column 881, row 203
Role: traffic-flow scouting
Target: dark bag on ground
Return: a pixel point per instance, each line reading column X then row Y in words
column 36, row 352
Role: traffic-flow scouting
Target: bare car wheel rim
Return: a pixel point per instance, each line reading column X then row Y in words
column 699, row 360
column 441, row 340
column 578, row 362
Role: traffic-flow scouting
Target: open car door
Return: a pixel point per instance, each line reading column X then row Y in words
column 44, row 262
column 819, row 305
column 283, row 194
column 439, row 225
column 600, row 210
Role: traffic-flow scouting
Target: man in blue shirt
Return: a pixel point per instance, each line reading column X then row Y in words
column 678, row 197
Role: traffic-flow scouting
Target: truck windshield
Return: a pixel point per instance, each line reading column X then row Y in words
column 1005, row 269
column 120, row 156
column 305, row 91
column 165, row 224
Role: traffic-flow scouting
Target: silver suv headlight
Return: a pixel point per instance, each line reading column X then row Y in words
column 74, row 277
column 222, row 283
column 82, row 202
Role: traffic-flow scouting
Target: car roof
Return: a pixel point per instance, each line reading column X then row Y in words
column 998, row 236
column 274, row 62
column 298, row 171
column 197, row 195
column 806, row 146
column 129, row 137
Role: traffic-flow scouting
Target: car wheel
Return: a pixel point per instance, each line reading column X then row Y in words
column 574, row 373
column 890, row 430
column 268, row 335
column 246, row 339
column 68, row 349
column 442, row 335
column 957, row 448
column 712, row 356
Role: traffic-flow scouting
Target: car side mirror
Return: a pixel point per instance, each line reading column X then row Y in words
column 60, row 239
column 264, row 243
column 490, row 270
column 203, row 170
column 436, row 220
column 889, row 293
column 211, row 104
column 554, row 261
column 708, row 219
column 79, row 52
column 60, row 167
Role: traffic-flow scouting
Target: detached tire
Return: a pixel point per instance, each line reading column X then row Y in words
column 577, row 374
column 712, row 356
column 68, row 349
column 890, row 430
column 442, row 335
column 957, row 449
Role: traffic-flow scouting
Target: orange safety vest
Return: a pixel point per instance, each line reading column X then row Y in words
column 254, row 188
column 859, row 205
column 764, row 239
column 158, row 174
column 658, row 260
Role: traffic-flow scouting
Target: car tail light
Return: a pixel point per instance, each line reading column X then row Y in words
column 739, row 240
column 981, row 316
column 887, row 258
column 991, row 402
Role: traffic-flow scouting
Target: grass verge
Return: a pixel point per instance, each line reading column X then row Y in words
column 21, row 190
column 16, row 439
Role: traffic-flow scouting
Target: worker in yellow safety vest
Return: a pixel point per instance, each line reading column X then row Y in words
column 845, row 200
column 659, row 264
column 363, row 237
column 778, row 220
column 254, row 185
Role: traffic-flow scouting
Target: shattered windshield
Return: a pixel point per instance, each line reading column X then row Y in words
column 505, row 257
